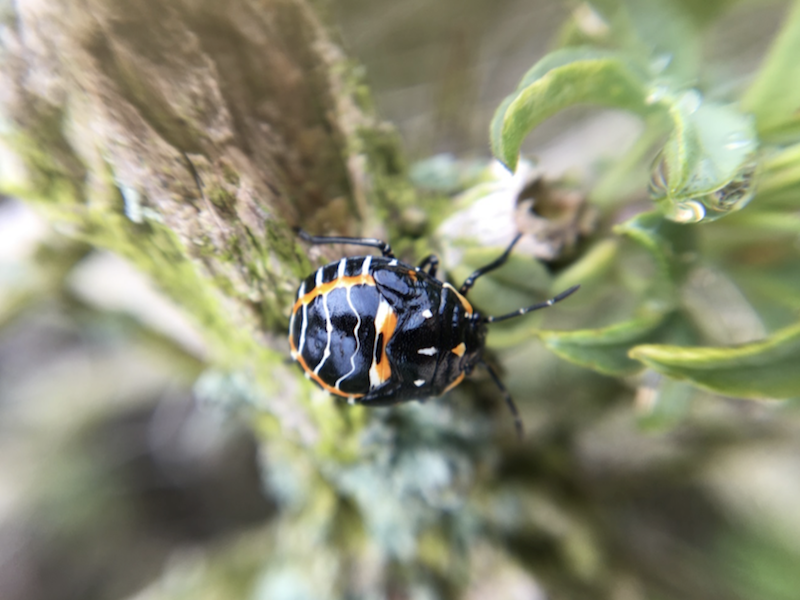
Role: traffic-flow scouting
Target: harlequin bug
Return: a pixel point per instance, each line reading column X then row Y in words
column 378, row 331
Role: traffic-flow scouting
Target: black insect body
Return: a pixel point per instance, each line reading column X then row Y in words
column 378, row 331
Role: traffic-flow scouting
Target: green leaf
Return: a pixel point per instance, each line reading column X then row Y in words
column 779, row 178
column 707, row 167
column 779, row 281
column 764, row 369
column 561, row 79
column 774, row 97
column 775, row 222
column 605, row 350
column 659, row 29
column 672, row 246
column 772, row 290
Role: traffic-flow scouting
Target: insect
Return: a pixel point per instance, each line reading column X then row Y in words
column 378, row 331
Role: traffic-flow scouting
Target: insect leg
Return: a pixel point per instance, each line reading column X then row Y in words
column 431, row 262
column 507, row 397
column 385, row 249
column 470, row 281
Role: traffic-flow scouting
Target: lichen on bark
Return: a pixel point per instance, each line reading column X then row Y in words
column 112, row 107
column 190, row 138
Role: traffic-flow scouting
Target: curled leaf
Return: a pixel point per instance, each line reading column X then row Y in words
column 561, row 79
column 707, row 167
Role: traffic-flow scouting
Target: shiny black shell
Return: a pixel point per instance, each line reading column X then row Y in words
column 378, row 331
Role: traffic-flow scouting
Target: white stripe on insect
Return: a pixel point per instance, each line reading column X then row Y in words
column 358, row 342
column 428, row 351
column 365, row 265
column 329, row 329
column 318, row 280
column 303, row 325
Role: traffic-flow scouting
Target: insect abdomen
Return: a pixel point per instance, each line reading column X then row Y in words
column 332, row 331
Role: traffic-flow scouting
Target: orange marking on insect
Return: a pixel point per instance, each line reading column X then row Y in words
column 413, row 274
column 383, row 368
column 464, row 302
column 456, row 381
column 339, row 282
column 459, row 350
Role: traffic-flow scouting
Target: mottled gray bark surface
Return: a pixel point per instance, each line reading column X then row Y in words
column 107, row 100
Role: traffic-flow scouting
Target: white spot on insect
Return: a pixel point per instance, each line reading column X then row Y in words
column 393, row 263
column 428, row 351
column 365, row 265
column 427, row 313
column 419, row 382
column 295, row 354
column 351, row 400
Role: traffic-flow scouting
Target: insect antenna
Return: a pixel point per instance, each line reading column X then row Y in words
column 533, row 307
column 495, row 264
column 507, row 397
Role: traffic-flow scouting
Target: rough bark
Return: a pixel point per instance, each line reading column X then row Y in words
column 117, row 114
column 111, row 106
